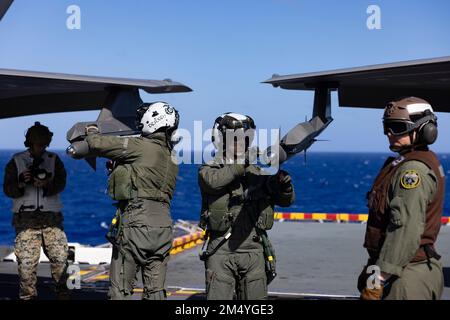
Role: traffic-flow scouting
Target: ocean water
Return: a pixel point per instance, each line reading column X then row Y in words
column 327, row 182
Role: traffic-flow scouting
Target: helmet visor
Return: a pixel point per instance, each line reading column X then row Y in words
column 139, row 114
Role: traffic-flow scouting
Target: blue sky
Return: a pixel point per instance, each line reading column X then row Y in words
column 223, row 50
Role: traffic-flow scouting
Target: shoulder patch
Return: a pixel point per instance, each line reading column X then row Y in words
column 410, row 179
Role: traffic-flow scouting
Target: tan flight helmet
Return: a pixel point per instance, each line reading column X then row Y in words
column 38, row 134
column 408, row 115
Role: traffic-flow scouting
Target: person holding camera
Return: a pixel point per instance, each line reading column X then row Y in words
column 34, row 179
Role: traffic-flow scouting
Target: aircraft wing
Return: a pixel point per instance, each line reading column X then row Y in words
column 4, row 6
column 28, row 92
column 374, row 86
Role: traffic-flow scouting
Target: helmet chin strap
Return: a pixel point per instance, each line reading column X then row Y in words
column 401, row 149
column 408, row 147
column 412, row 139
column 171, row 142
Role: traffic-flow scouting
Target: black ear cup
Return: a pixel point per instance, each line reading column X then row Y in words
column 428, row 133
column 27, row 141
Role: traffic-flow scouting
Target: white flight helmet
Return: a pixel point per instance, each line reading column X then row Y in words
column 153, row 116
column 231, row 121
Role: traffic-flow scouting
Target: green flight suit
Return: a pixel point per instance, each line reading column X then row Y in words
column 410, row 280
column 249, row 196
column 146, row 236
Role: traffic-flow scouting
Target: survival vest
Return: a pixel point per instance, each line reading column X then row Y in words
column 378, row 203
column 219, row 211
column 33, row 198
column 151, row 176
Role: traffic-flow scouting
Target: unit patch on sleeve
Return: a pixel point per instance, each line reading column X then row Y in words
column 410, row 179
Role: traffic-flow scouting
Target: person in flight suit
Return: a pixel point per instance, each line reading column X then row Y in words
column 405, row 209
column 238, row 201
column 34, row 179
column 142, row 181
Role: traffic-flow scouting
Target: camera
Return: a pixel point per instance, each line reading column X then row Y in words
column 36, row 172
column 39, row 174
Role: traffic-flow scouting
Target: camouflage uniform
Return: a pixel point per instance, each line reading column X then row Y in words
column 27, row 249
column 38, row 229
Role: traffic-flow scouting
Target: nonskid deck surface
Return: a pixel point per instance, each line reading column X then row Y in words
column 314, row 261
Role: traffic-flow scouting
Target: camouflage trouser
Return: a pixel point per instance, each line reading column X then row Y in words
column 27, row 249
column 419, row 281
column 142, row 248
column 243, row 272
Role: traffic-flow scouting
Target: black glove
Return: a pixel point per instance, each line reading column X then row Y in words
column 284, row 181
column 362, row 279
column 110, row 165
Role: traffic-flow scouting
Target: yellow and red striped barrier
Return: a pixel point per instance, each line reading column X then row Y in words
column 186, row 242
column 191, row 240
column 346, row 217
column 304, row 216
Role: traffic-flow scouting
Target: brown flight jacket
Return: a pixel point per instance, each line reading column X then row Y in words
column 379, row 211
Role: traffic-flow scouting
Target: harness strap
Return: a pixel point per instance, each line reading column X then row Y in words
column 207, row 253
column 430, row 253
